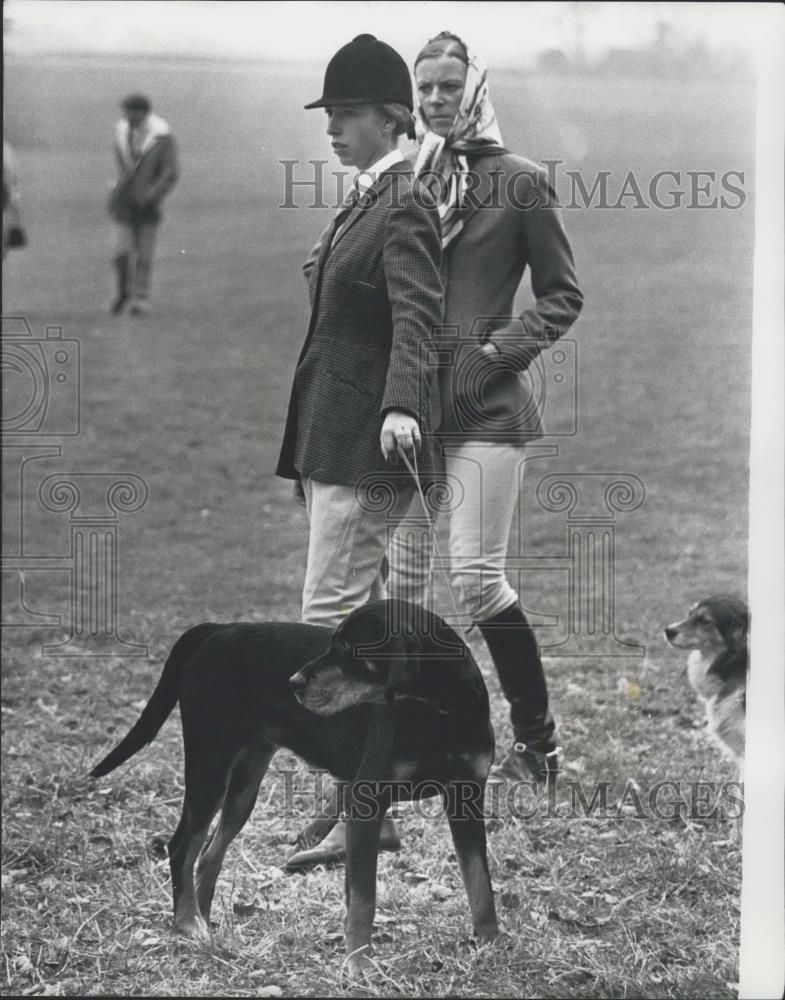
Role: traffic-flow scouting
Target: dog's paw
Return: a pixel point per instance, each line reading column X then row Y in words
column 359, row 965
column 487, row 933
column 194, row 927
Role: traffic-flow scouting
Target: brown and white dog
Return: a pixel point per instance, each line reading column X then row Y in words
column 715, row 630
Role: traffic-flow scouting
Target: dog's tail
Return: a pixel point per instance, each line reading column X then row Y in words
column 162, row 701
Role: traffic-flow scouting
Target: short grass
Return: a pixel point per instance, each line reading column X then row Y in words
column 192, row 400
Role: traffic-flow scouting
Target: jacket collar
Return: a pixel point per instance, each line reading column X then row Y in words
column 483, row 193
column 149, row 132
column 365, row 179
column 400, row 168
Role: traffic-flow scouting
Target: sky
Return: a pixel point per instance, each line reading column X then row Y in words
column 509, row 34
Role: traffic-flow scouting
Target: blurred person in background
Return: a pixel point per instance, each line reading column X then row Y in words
column 147, row 162
column 499, row 217
column 13, row 233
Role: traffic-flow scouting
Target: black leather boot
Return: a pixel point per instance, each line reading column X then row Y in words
column 513, row 647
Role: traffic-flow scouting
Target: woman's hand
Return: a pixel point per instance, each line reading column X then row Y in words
column 402, row 429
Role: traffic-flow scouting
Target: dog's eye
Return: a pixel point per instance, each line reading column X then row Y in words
column 346, row 650
column 371, row 669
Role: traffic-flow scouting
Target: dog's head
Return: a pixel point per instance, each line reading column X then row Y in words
column 383, row 653
column 714, row 625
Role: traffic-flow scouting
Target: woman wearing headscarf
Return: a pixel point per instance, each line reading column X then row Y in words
column 499, row 218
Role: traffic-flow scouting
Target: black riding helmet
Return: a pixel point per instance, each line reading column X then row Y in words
column 366, row 71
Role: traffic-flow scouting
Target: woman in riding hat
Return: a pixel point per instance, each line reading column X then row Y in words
column 362, row 383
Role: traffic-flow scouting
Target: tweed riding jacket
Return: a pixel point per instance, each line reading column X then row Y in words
column 511, row 222
column 376, row 296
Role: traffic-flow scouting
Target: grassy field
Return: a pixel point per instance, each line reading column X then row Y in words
column 192, row 401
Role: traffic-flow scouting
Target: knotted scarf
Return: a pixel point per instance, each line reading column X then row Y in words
column 442, row 160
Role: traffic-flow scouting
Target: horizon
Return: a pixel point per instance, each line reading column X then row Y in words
column 508, row 35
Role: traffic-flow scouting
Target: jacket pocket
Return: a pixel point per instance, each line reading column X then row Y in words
column 352, row 383
column 483, row 388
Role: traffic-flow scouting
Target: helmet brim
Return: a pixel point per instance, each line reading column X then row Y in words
column 334, row 102
column 337, row 102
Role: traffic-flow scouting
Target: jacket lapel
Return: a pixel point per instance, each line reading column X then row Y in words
column 480, row 195
column 370, row 198
column 324, row 249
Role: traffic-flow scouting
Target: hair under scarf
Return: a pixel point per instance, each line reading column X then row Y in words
column 441, row 160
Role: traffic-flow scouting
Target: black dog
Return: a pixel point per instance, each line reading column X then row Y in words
column 392, row 703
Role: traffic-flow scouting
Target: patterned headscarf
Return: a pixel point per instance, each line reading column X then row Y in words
column 441, row 160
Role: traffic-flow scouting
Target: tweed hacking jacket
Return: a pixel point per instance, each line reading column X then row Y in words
column 511, row 222
column 376, row 296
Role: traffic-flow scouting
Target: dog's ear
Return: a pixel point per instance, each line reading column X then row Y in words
column 442, row 640
column 731, row 617
column 439, row 669
column 738, row 633
column 402, row 654
column 741, row 633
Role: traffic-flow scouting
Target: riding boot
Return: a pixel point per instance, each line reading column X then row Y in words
column 333, row 847
column 513, row 647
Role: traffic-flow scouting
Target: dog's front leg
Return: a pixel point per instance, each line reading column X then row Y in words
column 464, row 801
column 368, row 798
column 362, row 849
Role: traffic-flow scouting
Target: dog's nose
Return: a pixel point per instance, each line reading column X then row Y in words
column 297, row 682
column 670, row 632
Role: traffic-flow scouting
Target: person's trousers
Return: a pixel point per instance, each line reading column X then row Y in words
column 483, row 482
column 481, row 485
column 349, row 535
column 134, row 258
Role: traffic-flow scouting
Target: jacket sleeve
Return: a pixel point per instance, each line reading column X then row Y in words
column 169, row 172
column 313, row 257
column 412, row 270
column 121, row 167
column 552, row 268
column 10, row 187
